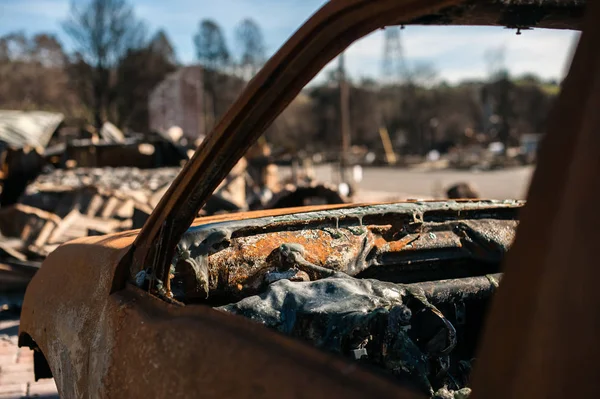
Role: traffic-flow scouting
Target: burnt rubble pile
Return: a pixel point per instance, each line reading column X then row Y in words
column 65, row 204
column 121, row 180
column 60, row 183
column 112, row 183
column 68, row 204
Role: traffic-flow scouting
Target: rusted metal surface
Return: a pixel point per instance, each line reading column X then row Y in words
column 516, row 14
column 121, row 345
column 402, row 242
column 106, row 338
column 299, row 268
column 101, row 323
column 174, row 335
column 541, row 340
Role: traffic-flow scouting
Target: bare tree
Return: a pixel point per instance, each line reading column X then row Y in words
column 211, row 47
column 251, row 42
column 14, row 46
column 212, row 52
column 32, row 74
column 41, row 48
column 161, row 45
column 137, row 74
column 103, row 31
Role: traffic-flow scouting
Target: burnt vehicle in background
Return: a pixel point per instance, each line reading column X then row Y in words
column 403, row 289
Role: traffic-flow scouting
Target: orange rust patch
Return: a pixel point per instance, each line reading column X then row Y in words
column 319, row 245
column 393, row 246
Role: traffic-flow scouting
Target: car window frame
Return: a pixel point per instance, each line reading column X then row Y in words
column 327, row 33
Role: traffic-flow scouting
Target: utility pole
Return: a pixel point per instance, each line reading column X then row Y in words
column 344, row 119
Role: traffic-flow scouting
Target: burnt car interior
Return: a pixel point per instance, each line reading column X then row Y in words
column 402, row 286
column 403, row 289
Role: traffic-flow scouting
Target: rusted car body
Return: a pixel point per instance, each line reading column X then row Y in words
column 126, row 315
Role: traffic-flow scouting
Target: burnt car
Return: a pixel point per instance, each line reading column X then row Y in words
column 385, row 300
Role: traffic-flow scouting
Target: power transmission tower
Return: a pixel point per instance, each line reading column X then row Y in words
column 394, row 72
column 394, row 67
column 495, row 59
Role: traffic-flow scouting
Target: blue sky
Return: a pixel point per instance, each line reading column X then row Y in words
column 456, row 52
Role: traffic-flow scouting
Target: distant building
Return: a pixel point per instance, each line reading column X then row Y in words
column 181, row 100
column 178, row 101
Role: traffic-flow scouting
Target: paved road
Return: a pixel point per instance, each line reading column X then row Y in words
column 502, row 184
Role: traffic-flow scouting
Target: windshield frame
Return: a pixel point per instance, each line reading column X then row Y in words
column 319, row 40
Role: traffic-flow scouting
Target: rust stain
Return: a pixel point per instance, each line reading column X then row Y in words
column 247, row 256
column 394, row 246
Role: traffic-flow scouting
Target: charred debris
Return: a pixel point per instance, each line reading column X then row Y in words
column 58, row 189
column 402, row 288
